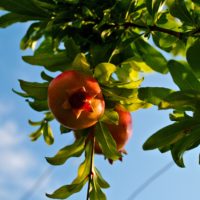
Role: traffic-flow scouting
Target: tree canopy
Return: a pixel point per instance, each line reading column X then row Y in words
column 117, row 41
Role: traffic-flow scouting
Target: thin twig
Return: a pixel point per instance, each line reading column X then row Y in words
column 155, row 28
column 91, row 168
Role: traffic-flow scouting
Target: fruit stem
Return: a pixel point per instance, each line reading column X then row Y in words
column 91, row 168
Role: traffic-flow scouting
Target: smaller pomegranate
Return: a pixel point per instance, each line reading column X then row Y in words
column 75, row 99
column 122, row 132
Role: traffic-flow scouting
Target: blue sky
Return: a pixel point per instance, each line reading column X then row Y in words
column 22, row 161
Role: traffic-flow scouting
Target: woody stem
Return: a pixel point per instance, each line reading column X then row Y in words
column 91, row 167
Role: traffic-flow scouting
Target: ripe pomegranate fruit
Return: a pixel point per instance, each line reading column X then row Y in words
column 75, row 99
column 122, row 132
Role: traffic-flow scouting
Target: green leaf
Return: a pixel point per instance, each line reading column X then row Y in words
column 21, row 94
column 178, row 115
column 72, row 49
column 35, row 90
column 36, row 134
column 96, row 192
column 52, row 62
column 32, row 123
column 47, row 133
column 103, row 72
column 184, row 144
column 119, row 94
column 46, row 77
column 183, row 76
column 151, row 56
column 126, row 85
column 193, row 57
column 67, row 190
column 153, row 6
column 100, row 180
column 24, row 7
column 129, row 70
column 80, row 63
column 181, row 100
column 153, row 95
column 78, row 183
column 12, row 18
column 179, row 10
column 34, row 33
column 110, row 117
column 106, row 142
column 74, row 150
column 169, row 134
column 196, row 2
column 38, row 105
column 72, row 1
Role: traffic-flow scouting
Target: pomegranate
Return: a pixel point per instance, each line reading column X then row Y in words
column 122, row 132
column 75, row 99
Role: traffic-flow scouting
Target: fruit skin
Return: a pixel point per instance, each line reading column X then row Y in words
column 122, row 132
column 75, row 99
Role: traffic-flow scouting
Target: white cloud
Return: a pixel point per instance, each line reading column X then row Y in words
column 18, row 164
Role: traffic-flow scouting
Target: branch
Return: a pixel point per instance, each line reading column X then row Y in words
column 91, row 167
column 180, row 35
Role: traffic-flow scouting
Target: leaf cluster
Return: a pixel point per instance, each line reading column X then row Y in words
column 183, row 134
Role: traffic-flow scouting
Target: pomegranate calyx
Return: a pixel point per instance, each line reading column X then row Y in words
column 78, row 101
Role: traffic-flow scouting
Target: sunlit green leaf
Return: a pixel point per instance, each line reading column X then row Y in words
column 103, row 72
column 106, row 142
column 178, row 9
column 126, row 85
column 96, row 193
column 48, row 134
column 80, row 63
column 78, row 183
column 178, row 115
column 153, row 6
column 100, row 180
column 32, row 123
column 36, row 134
column 151, row 56
column 67, row 190
column 110, row 116
column 73, row 150
column 34, row 33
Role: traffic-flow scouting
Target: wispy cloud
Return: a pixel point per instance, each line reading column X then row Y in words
column 17, row 163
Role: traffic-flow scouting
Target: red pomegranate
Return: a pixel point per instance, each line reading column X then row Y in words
column 75, row 99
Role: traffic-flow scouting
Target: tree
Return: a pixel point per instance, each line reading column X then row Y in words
column 116, row 42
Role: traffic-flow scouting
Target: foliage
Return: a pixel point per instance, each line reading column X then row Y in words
column 116, row 41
